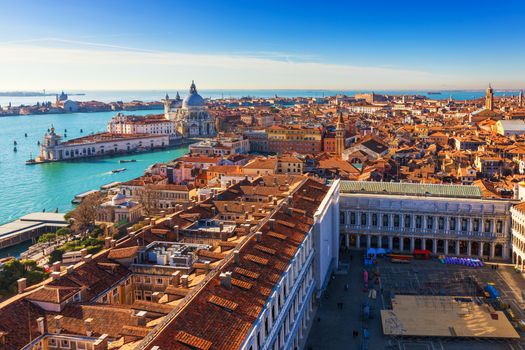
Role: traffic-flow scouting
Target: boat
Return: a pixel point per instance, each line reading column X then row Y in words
column 127, row 161
column 81, row 131
column 25, row 135
column 14, row 143
column 38, row 143
column 118, row 170
column 14, row 149
column 434, row 93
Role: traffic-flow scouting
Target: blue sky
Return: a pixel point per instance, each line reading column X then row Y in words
column 262, row 44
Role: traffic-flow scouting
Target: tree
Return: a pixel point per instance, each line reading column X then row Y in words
column 147, row 197
column 86, row 212
column 64, row 231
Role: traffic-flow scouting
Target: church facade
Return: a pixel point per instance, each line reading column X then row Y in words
column 191, row 116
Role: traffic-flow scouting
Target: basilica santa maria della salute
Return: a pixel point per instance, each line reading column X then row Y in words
column 190, row 115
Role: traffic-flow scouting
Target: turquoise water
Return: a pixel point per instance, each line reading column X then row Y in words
column 29, row 188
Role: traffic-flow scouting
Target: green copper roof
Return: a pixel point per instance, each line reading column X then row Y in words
column 411, row 189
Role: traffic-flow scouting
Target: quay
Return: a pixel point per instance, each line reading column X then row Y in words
column 29, row 227
column 80, row 197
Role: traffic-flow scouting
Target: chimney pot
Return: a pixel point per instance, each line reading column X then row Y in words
column 107, row 242
column 56, row 266
column 22, row 284
column 55, row 275
column 272, row 223
column 113, row 243
column 70, row 268
column 83, row 252
column 87, row 257
column 258, row 236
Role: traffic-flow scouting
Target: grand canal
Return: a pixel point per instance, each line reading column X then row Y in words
column 29, row 188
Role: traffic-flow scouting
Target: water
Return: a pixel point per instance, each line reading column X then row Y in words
column 30, row 188
column 150, row 95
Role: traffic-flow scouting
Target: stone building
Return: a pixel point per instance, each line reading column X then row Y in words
column 445, row 219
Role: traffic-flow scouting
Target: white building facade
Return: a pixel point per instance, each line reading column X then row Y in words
column 445, row 219
column 518, row 236
column 53, row 149
column 288, row 312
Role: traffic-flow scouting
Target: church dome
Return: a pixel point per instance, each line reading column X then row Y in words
column 193, row 99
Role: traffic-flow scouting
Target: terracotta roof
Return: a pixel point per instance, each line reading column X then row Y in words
column 227, row 325
column 123, row 253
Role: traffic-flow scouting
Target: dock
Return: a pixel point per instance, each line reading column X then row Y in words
column 110, row 185
column 30, row 226
column 80, row 197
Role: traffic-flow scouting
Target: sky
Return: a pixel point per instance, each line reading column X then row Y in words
column 261, row 44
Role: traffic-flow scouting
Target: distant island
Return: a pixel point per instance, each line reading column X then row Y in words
column 32, row 94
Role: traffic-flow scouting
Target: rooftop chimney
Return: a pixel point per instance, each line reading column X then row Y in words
column 184, row 281
column 41, row 325
column 107, row 242
column 226, row 279
column 88, row 325
column 87, row 257
column 175, row 279
column 236, row 257
column 83, row 252
column 272, row 223
column 70, row 268
column 56, row 266
column 258, row 236
column 101, row 343
column 58, row 323
column 22, row 284
column 113, row 243
column 140, row 318
column 55, row 275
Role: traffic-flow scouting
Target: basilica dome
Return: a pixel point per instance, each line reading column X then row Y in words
column 193, row 99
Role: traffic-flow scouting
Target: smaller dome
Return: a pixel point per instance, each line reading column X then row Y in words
column 117, row 199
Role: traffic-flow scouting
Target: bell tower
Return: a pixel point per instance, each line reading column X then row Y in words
column 340, row 135
column 489, row 98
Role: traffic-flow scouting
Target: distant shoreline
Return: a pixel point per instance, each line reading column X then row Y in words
column 32, row 94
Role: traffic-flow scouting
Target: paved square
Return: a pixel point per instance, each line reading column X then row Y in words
column 341, row 311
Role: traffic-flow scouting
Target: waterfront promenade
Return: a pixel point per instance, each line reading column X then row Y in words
column 28, row 189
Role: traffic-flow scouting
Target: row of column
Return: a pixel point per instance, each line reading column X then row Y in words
column 424, row 222
column 423, row 244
